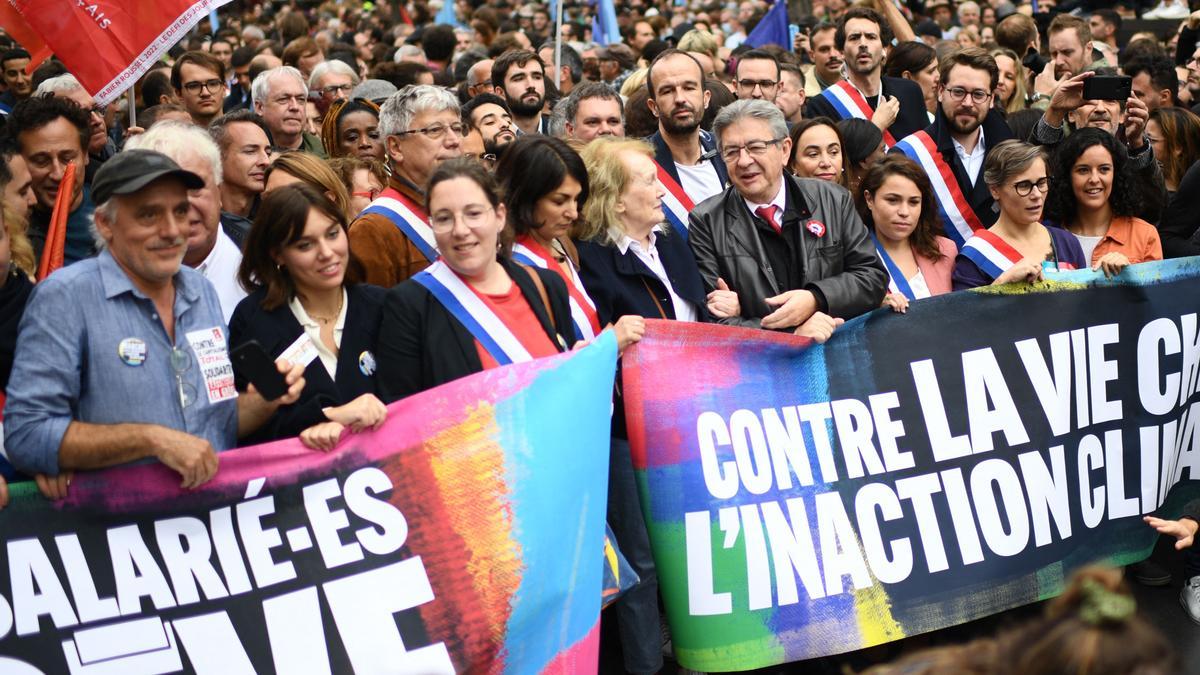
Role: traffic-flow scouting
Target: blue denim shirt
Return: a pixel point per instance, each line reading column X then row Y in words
column 92, row 348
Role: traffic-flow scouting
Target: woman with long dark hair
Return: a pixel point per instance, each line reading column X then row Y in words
column 1094, row 196
column 818, row 151
column 896, row 202
column 306, row 306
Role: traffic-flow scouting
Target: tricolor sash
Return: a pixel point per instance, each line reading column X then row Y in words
column 583, row 310
column 959, row 221
column 897, row 283
column 676, row 204
column 849, row 102
column 990, row 253
column 473, row 313
column 408, row 217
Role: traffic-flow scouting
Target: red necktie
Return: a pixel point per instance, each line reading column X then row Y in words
column 767, row 213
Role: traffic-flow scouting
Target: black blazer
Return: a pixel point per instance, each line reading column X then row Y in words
column 911, row 118
column 622, row 284
column 995, row 130
column 277, row 329
column 421, row 345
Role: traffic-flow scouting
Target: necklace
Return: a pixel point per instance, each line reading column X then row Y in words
column 326, row 320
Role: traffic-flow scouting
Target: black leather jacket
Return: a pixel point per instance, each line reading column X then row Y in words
column 840, row 266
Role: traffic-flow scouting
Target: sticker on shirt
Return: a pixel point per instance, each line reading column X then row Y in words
column 132, row 351
column 366, row 363
column 212, row 353
column 301, row 352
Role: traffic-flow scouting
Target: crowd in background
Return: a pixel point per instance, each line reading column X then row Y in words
column 383, row 197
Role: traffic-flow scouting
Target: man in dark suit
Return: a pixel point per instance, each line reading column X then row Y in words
column 895, row 105
column 964, row 129
column 793, row 249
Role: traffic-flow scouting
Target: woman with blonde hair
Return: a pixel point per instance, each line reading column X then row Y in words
column 301, row 167
column 1010, row 88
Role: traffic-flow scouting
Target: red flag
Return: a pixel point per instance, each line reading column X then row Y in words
column 56, row 233
column 15, row 25
column 109, row 44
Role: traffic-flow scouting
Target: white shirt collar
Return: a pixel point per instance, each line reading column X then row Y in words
column 307, row 321
column 980, row 146
column 222, row 243
column 780, row 199
column 626, row 241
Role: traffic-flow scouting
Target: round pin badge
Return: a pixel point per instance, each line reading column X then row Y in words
column 366, row 363
column 816, row 227
column 132, row 351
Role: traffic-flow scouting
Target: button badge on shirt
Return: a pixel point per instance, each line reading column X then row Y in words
column 816, row 227
column 132, row 351
column 366, row 363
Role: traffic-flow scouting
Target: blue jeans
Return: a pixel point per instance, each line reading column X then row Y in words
column 637, row 610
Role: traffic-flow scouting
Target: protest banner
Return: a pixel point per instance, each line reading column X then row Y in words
column 108, row 44
column 465, row 535
column 917, row 471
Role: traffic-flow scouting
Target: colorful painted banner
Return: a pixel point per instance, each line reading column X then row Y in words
column 918, row 470
column 109, row 44
column 465, row 535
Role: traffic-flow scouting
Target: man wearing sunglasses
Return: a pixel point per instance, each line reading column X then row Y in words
column 199, row 82
column 793, row 249
column 956, row 144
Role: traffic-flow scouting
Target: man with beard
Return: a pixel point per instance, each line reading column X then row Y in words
column 1070, row 42
column 1125, row 120
column 593, row 110
column 826, row 68
column 488, row 116
column 517, row 75
column 893, row 104
column 956, row 144
column 688, row 166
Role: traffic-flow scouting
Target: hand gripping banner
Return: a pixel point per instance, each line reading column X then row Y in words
column 917, row 471
column 467, row 534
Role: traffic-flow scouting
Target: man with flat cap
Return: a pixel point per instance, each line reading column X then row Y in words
column 124, row 357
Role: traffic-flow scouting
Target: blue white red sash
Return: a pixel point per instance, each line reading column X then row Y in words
column 676, row 204
column 897, row 283
column 583, row 310
column 990, row 253
column 959, row 221
column 473, row 313
column 849, row 102
column 409, row 218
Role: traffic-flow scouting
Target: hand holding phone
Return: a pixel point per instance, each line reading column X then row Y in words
column 253, row 363
column 1107, row 88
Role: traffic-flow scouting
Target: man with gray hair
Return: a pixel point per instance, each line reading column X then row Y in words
column 210, row 250
column 812, row 264
column 594, row 109
column 333, row 80
column 279, row 97
column 422, row 128
column 479, row 78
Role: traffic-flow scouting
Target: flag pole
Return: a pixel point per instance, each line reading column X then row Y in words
column 132, row 111
column 558, row 45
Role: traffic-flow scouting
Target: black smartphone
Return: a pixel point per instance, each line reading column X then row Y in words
column 251, row 362
column 1107, row 88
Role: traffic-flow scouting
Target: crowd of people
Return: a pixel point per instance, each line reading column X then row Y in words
column 383, row 203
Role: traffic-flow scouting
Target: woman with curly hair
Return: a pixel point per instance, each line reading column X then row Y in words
column 1094, row 196
column 351, row 129
column 1175, row 135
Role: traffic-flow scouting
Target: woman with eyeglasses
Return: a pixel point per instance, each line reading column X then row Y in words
column 1018, row 247
column 817, row 151
column 306, row 306
column 363, row 179
column 351, row 129
column 1094, row 196
column 545, row 185
column 896, row 202
column 475, row 308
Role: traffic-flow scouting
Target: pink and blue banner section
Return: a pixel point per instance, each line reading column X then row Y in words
column 466, row 535
column 917, row 471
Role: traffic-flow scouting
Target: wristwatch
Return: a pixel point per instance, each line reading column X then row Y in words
column 1037, row 96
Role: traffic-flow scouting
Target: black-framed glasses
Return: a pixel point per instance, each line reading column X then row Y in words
column 749, row 85
column 213, row 85
column 731, row 153
column 436, row 131
column 960, row 93
column 1024, row 187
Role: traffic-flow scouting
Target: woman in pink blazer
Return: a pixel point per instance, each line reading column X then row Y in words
column 896, row 202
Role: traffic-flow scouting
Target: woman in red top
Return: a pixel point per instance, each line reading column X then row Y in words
column 474, row 308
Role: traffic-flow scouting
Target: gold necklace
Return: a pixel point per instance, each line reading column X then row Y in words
column 325, row 320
